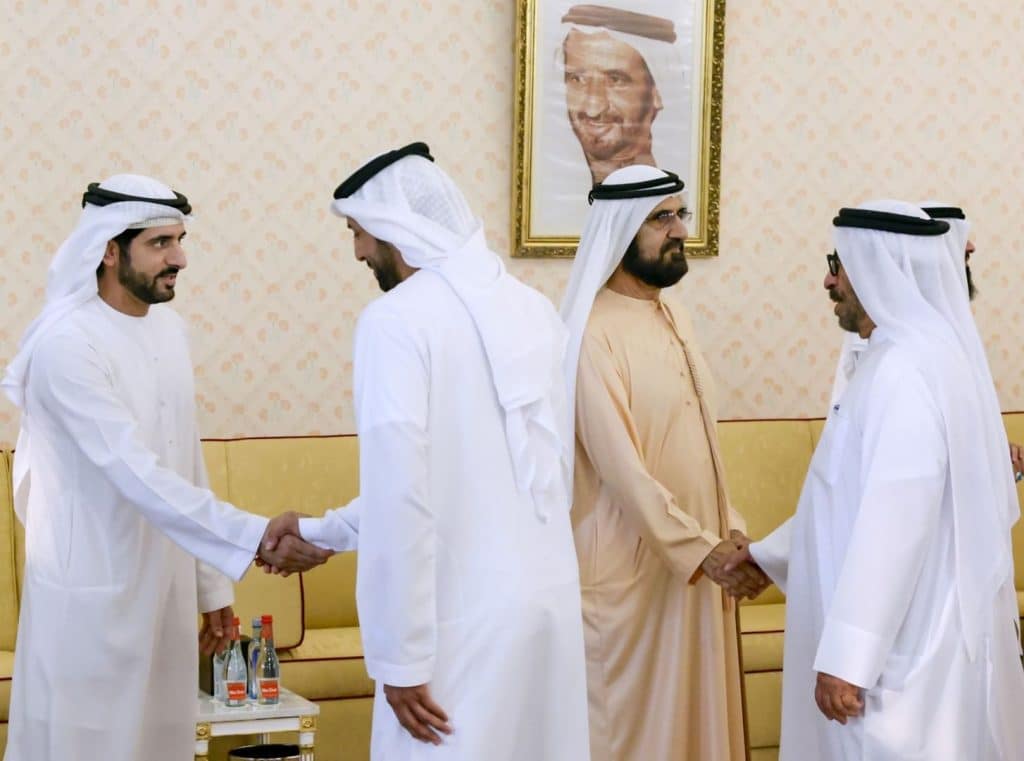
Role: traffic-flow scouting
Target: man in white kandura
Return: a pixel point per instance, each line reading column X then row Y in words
column 124, row 542
column 901, row 621
column 468, row 590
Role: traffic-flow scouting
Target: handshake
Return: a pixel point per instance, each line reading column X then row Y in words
column 284, row 551
column 731, row 566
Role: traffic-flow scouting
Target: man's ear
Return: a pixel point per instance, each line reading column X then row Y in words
column 110, row 257
column 111, row 253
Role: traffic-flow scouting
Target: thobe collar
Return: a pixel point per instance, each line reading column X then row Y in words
column 631, row 301
column 127, row 321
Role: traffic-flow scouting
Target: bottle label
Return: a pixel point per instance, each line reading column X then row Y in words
column 269, row 689
column 235, row 691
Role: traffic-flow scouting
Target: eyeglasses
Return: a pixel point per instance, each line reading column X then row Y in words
column 664, row 217
column 833, row 263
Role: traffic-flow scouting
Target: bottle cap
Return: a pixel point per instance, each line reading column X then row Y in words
column 257, row 621
column 267, row 619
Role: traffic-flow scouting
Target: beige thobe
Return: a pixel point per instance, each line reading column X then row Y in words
column 663, row 667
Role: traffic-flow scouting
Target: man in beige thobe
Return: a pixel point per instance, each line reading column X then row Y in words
column 651, row 518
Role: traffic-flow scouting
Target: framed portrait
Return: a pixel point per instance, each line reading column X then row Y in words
column 604, row 85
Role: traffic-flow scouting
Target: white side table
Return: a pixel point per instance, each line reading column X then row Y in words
column 293, row 714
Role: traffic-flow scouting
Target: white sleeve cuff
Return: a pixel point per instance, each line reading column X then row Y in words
column 336, row 530
column 850, row 653
column 312, row 530
column 216, row 593
column 235, row 566
column 411, row 675
column 772, row 554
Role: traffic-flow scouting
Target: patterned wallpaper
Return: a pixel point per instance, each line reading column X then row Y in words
column 256, row 109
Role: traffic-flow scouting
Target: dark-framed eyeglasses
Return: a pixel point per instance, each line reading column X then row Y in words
column 833, row 263
column 664, row 217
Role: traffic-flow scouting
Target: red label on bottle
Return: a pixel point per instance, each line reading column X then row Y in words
column 269, row 689
column 235, row 690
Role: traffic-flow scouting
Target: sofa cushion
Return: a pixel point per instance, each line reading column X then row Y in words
column 764, row 708
column 6, row 670
column 765, row 462
column 762, row 628
column 259, row 594
column 8, row 559
column 328, row 664
column 329, row 593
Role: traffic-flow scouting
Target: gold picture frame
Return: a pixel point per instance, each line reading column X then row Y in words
column 545, row 223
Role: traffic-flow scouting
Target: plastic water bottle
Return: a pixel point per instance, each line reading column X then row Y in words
column 235, row 681
column 268, row 668
column 219, row 662
column 254, row 657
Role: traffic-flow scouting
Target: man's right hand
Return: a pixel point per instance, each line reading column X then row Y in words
column 282, row 549
column 837, row 699
column 418, row 713
column 730, row 566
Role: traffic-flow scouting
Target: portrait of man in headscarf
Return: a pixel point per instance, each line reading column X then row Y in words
column 616, row 89
column 611, row 96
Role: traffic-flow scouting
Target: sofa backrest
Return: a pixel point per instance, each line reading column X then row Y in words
column 257, row 593
column 309, row 475
column 765, row 462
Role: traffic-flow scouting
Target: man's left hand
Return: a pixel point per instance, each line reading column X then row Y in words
column 838, row 699
column 215, row 634
column 418, row 713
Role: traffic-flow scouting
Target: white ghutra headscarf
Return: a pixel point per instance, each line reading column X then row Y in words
column 417, row 208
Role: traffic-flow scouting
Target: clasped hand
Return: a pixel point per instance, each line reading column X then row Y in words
column 284, row 551
column 731, row 566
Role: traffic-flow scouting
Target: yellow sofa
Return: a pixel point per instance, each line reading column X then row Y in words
column 315, row 616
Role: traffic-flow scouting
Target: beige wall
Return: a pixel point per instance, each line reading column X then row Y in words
column 257, row 109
